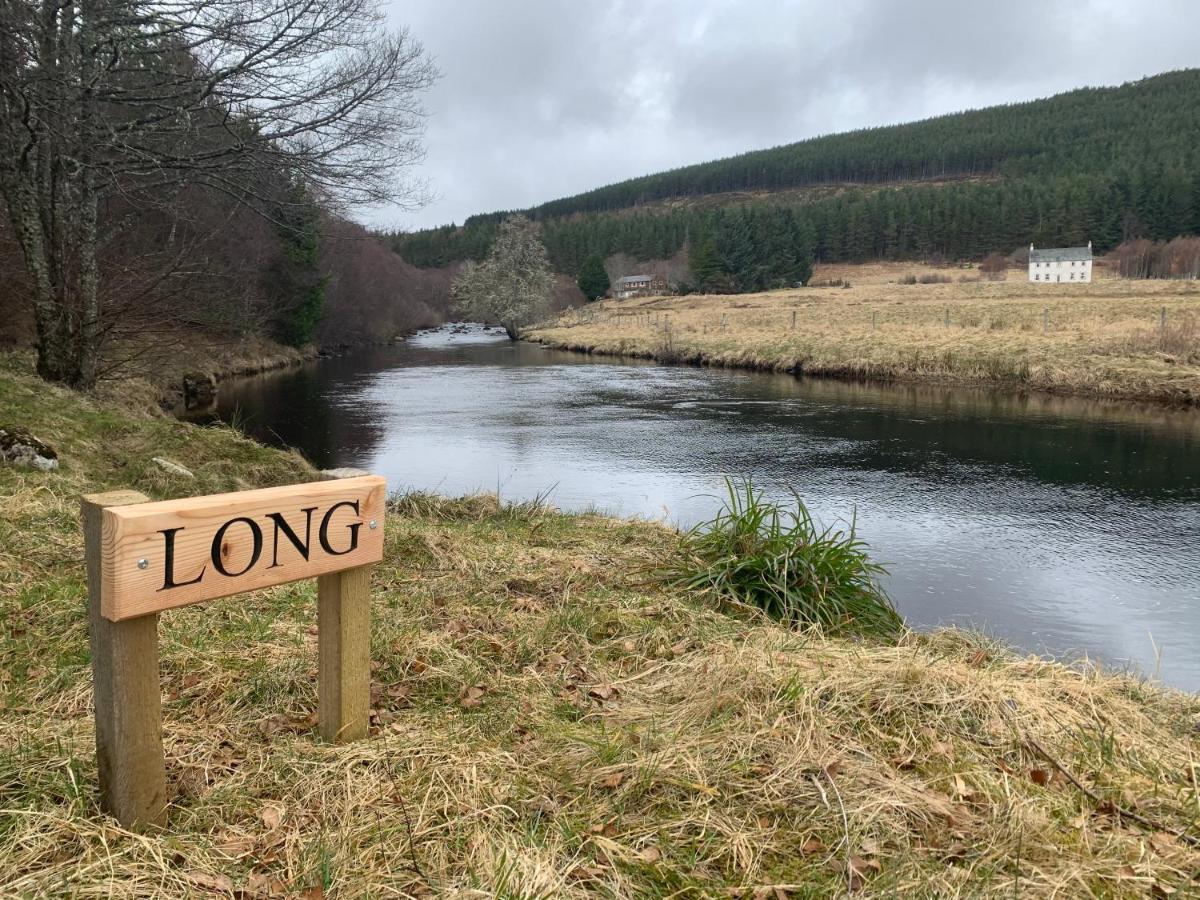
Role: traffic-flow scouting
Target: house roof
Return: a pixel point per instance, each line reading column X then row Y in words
column 634, row 279
column 1061, row 254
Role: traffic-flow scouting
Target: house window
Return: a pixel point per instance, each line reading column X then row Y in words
column 1037, row 277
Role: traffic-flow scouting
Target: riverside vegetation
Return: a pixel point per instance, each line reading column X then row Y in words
column 552, row 717
column 1108, row 338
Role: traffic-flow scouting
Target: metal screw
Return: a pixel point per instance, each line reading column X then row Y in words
column 373, row 525
column 143, row 563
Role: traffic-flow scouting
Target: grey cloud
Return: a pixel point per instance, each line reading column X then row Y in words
column 543, row 98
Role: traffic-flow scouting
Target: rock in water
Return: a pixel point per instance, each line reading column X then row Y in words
column 172, row 468
column 199, row 390
column 20, row 448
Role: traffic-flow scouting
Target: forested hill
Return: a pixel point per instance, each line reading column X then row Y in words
column 1086, row 130
column 1100, row 164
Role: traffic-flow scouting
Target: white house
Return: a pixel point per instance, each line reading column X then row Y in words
column 1069, row 264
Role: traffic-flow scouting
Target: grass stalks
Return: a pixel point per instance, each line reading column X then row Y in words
column 546, row 724
column 757, row 553
column 1099, row 339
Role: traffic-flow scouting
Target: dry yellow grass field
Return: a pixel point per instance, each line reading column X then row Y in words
column 1102, row 339
column 550, row 722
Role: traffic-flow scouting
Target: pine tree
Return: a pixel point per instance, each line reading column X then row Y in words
column 593, row 278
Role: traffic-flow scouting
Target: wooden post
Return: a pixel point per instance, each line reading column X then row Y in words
column 1046, row 320
column 793, row 320
column 127, row 696
column 344, row 647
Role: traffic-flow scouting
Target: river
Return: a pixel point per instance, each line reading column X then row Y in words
column 1061, row 525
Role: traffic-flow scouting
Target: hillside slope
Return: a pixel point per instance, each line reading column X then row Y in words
column 1099, row 164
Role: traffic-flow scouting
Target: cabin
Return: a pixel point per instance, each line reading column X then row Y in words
column 1072, row 265
column 639, row 286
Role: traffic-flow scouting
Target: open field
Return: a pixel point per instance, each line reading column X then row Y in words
column 550, row 722
column 1102, row 339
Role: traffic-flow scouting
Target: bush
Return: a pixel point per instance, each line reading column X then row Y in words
column 758, row 553
column 935, row 279
column 909, row 279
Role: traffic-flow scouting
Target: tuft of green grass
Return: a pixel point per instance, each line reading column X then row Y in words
column 758, row 553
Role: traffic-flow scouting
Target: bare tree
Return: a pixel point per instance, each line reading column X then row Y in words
column 994, row 267
column 514, row 285
column 104, row 100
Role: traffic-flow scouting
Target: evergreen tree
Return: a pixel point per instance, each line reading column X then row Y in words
column 593, row 278
column 707, row 272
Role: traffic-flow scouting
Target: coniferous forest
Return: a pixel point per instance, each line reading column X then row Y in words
column 1107, row 165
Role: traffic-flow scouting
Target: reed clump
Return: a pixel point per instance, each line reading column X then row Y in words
column 760, row 554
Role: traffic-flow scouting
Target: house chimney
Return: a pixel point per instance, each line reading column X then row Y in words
column 1031, row 246
column 1089, row 246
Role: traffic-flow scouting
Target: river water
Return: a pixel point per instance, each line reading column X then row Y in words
column 1063, row 526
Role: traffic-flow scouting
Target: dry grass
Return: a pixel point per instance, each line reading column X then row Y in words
column 547, row 724
column 1102, row 339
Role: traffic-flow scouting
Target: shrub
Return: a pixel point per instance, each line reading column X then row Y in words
column 909, row 279
column 760, row 554
column 995, row 267
column 935, row 279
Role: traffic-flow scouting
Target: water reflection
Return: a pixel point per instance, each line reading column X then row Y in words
column 1061, row 524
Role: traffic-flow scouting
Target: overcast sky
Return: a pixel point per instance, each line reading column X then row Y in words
column 544, row 98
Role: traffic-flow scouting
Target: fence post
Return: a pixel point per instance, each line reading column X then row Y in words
column 873, row 315
column 126, row 693
column 793, row 320
column 947, row 317
column 1162, row 323
column 344, row 647
column 1046, row 320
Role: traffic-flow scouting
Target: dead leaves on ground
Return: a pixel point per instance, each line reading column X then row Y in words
column 471, row 697
column 259, row 886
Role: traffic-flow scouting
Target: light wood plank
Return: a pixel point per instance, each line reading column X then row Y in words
column 344, row 647
column 158, row 556
column 128, row 700
column 344, row 654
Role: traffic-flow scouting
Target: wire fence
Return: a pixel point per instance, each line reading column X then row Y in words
column 1163, row 320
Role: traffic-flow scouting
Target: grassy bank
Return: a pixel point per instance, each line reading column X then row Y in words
column 550, row 723
column 1104, row 339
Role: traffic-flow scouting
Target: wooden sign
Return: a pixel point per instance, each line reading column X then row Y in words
column 158, row 556
column 145, row 557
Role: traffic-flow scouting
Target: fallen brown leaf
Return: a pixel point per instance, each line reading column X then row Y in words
column 260, row 885
column 608, row 830
column 586, row 873
column 650, row 855
column 209, row 882
column 604, row 692
column 613, row 781
column 472, row 697
column 272, row 816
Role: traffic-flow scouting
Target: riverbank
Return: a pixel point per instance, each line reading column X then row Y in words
column 549, row 723
column 1106, row 339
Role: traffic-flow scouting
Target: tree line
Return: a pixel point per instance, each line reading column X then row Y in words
column 1107, row 165
column 954, row 221
column 185, row 163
